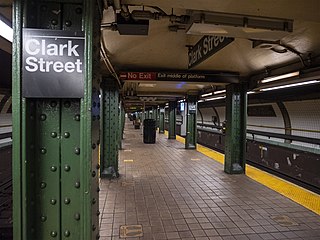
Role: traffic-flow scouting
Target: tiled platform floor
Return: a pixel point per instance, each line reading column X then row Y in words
column 181, row 194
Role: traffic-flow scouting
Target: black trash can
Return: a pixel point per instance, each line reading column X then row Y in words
column 149, row 131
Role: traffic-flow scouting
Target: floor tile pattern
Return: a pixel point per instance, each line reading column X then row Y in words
column 174, row 197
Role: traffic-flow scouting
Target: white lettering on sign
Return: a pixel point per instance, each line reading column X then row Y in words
column 205, row 47
column 210, row 42
column 33, row 65
column 36, row 48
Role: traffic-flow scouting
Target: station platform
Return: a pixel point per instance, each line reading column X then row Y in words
column 167, row 192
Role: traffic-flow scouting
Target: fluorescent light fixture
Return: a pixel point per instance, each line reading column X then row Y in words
column 6, row 31
column 239, row 26
column 201, row 100
column 206, row 94
column 215, row 98
column 287, row 75
column 147, row 85
column 220, row 91
column 250, row 92
column 289, row 85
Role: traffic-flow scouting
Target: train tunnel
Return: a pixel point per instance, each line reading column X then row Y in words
column 125, row 119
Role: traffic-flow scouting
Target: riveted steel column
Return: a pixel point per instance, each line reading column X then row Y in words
column 110, row 128
column 172, row 120
column 236, row 117
column 157, row 117
column 121, row 124
column 161, row 120
column 55, row 141
column 191, row 131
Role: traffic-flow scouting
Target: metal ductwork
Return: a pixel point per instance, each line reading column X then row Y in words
column 148, row 15
column 145, row 15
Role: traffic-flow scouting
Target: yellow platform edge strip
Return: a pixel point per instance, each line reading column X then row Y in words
column 292, row 191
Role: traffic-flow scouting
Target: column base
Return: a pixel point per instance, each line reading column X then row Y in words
column 110, row 172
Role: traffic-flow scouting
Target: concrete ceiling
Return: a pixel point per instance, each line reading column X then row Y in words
column 168, row 51
column 163, row 49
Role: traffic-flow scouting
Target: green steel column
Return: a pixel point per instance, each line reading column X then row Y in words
column 236, row 118
column 55, row 140
column 161, row 120
column 172, row 119
column 121, row 124
column 110, row 128
column 191, row 131
column 157, row 117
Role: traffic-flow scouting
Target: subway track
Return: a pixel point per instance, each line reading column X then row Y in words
column 6, row 193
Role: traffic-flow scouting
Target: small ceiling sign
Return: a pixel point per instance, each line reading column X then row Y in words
column 206, row 47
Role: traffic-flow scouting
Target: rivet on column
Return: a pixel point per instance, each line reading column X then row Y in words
column 67, row 168
column 66, row 233
column 43, row 117
column 77, row 117
column 53, row 169
column 53, row 234
column 77, row 185
column 54, row 134
column 77, row 150
column 67, row 104
column 43, row 185
column 67, row 200
column 77, row 216
column 53, row 104
column 43, row 150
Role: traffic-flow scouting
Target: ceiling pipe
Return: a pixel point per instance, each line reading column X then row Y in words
column 117, row 4
column 125, row 12
column 107, row 62
column 148, row 15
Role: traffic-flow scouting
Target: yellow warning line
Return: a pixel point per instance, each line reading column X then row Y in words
column 296, row 193
column 128, row 160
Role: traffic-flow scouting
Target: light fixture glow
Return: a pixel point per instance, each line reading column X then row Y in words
column 287, row 75
column 201, row 100
column 147, row 85
column 220, row 91
column 6, row 31
column 250, row 92
column 206, row 94
column 289, row 85
column 215, row 98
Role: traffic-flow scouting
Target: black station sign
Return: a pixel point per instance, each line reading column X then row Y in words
column 53, row 63
column 179, row 77
column 206, row 47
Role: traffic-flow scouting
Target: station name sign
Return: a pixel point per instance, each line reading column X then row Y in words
column 53, row 63
column 179, row 77
column 206, row 47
